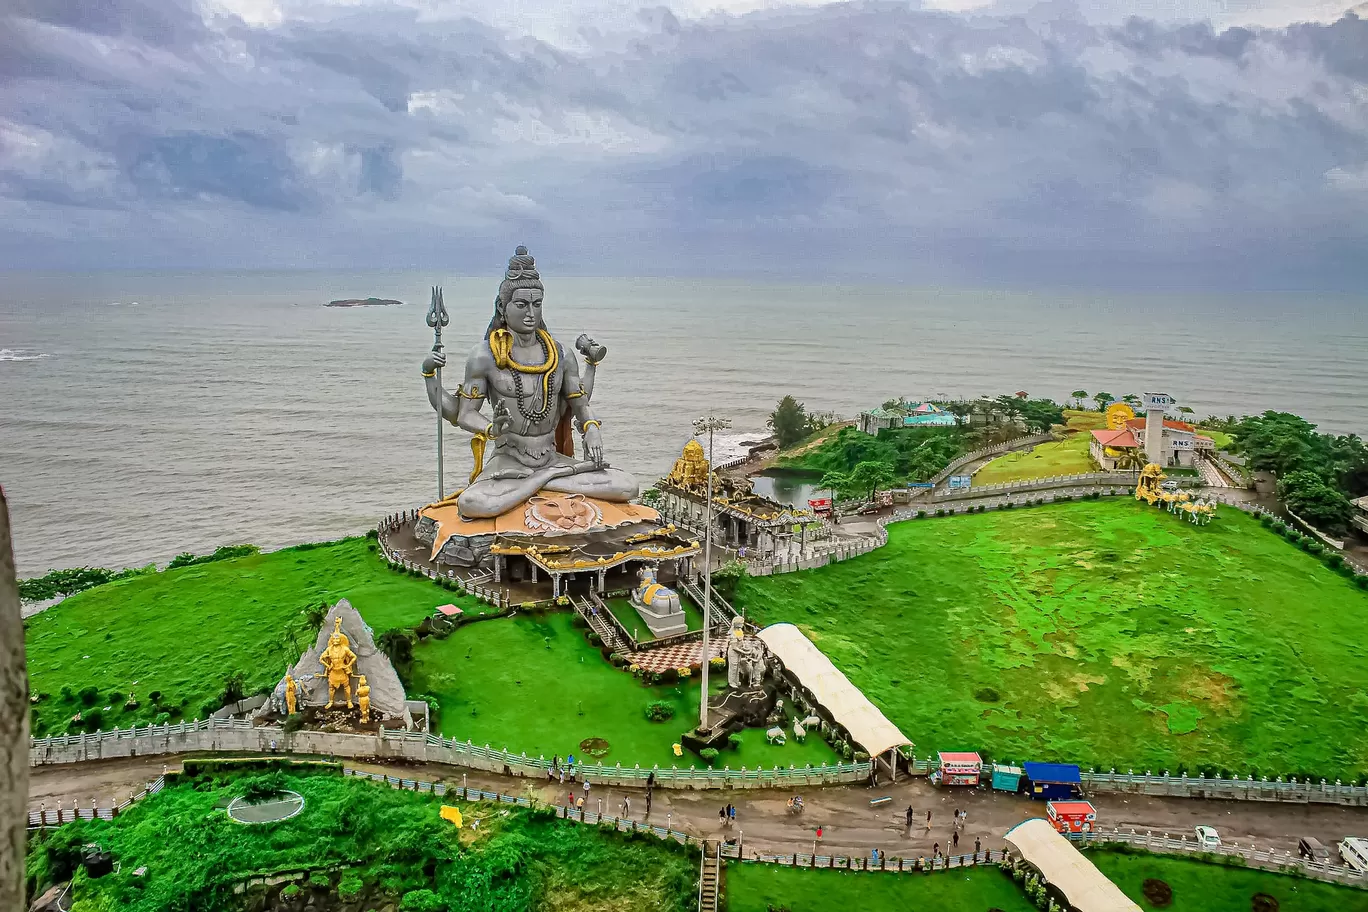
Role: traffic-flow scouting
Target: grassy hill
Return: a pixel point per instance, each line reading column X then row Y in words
column 181, row 632
column 1099, row 632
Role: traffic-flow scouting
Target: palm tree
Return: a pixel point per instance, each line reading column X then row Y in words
column 1132, row 459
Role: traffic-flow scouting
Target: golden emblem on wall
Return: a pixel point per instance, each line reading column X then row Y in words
column 1118, row 413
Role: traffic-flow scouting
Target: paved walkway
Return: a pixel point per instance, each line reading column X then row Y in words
column 850, row 825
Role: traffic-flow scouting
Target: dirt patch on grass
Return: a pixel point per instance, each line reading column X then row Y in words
column 1262, row 902
column 1081, row 681
column 1157, row 893
column 1216, row 689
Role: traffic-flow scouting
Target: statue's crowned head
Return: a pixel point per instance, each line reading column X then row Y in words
column 738, row 627
column 518, row 304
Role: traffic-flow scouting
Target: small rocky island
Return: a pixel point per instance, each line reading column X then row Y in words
column 364, row 302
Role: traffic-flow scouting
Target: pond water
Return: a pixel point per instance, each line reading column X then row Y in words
column 794, row 490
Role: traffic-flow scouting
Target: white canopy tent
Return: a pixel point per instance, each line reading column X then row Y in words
column 1066, row 869
column 846, row 704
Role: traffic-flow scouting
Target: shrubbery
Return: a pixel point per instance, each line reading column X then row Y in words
column 660, row 711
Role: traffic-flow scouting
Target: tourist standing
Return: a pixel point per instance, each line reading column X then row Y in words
column 572, row 798
column 928, row 820
column 911, row 818
column 731, row 814
column 978, row 847
column 648, row 802
column 626, row 807
column 955, row 838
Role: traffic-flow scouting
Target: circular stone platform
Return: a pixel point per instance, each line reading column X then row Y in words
column 283, row 807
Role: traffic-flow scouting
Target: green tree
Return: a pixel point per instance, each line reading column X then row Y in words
column 1185, row 411
column 397, row 644
column 836, row 483
column 871, row 475
column 789, row 422
column 1324, row 507
column 960, row 410
column 1103, row 400
column 1131, row 399
column 1041, row 414
column 1078, row 397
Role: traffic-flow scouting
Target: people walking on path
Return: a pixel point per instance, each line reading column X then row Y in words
column 626, row 807
column 731, row 814
column 928, row 820
column 935, row 850
column 955, row 838
column 648, row 802
column 911, row 819
column 978, row 847
column 571, row 799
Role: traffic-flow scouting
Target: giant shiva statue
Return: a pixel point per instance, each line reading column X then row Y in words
column 535, row 391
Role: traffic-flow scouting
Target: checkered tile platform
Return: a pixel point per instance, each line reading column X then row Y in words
column 683, row 655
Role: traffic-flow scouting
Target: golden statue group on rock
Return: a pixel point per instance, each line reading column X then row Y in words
column 339, row 662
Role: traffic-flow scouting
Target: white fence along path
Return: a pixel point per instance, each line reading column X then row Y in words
column 241, row 736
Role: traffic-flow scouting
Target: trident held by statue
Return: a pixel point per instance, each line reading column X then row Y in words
column 437, row 317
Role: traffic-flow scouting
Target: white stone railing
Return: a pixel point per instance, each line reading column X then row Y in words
column 1266, row 859
column 496, row 597
column 241, row 736
column 1015, row 443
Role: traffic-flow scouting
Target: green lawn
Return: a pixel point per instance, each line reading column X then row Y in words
column 1099, row 632
column 629, row 618
column 181, row 632
column 1220, row 439
column 532, row 683
column 517, row 861
column 1201, row 887
column 761, row 887
column 1058, row 457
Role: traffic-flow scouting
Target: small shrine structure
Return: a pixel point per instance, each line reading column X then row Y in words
column 742, row 518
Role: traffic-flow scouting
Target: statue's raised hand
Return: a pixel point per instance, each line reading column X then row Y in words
column 502, row 420
column 435, row 359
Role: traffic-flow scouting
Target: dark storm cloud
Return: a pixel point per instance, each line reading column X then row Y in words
column 869, row 138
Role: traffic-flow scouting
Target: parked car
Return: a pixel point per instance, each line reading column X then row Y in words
column 1207, row 837
column 1354, row 852
column 1312, row 849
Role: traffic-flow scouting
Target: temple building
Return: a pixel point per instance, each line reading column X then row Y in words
column 742, row 518
column 564, row 539
column 1360, row 517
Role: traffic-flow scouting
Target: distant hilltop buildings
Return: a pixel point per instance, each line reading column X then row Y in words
column 974, row 413
column 1129, row 442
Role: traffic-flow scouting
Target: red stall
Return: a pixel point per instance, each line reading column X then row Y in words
column 1070, row 817
column 959, row 768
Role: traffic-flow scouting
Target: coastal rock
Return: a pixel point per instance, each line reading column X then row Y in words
column 364, row 302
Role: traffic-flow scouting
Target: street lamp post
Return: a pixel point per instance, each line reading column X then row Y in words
column 709, row 423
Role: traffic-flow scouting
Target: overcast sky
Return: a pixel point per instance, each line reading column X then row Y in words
column 1203, row 143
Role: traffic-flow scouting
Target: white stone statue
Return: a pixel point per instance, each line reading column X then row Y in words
column 745, row 658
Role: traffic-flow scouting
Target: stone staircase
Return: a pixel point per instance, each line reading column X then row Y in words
column 1210, row 474
column 710, row 878
column 601, row 622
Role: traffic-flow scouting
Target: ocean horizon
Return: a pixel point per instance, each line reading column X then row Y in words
column 150, row 413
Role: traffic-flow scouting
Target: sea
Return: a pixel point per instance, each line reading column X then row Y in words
column 147, row 414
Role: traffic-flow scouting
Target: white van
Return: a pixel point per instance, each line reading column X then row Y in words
column 1354, row 851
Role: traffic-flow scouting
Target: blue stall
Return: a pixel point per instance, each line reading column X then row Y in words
column 1053, row 781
